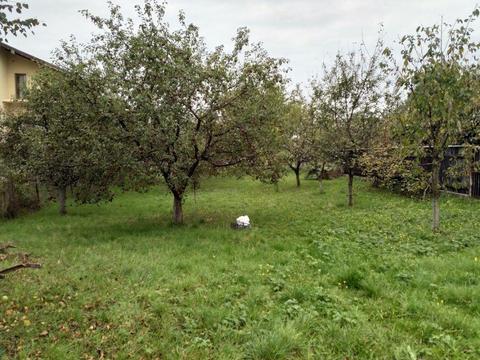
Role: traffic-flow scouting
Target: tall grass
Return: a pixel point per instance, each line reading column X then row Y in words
column 312, row 279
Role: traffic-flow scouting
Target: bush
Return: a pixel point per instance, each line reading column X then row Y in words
column 329, row 172
column 390, row 169
column 17, row 193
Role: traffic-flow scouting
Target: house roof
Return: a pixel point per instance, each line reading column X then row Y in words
column 25, row 55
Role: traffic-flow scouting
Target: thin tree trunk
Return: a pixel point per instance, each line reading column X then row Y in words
column 435, row 195
column 276, row 187
column 3, row 203
column 37, row 192
column 177, row 210
column 62, row 200
column 11, row 200
column 297, row 175
column 194, row 186
column 350, row 187
column 320, row 178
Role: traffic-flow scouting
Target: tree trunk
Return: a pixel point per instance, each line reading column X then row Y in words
column 320, row 178
column 350, row 187
column 10, row 200
column 435, row 195
column 62, row 200
column 297, row 175
column 37, row 192
column 275, row 186
column 195, row 187
column 177, row 210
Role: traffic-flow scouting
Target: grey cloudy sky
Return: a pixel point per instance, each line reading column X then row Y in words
column 307, row 32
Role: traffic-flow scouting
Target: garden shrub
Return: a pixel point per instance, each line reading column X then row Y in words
column 387, row 168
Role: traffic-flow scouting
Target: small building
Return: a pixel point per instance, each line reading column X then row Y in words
column 16, row 69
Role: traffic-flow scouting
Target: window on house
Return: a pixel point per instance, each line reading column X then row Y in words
column 20, row 85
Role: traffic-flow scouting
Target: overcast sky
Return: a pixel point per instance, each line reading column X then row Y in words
column 307, row 32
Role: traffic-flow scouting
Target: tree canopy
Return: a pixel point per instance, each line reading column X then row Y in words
column 348, row 102
column 11, row 22
column 438, row 79
column 178, row 104
column 61, row 135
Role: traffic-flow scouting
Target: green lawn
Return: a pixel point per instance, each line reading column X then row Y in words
column 313, row 279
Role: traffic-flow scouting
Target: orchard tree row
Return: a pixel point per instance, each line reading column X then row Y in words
column 143, row 102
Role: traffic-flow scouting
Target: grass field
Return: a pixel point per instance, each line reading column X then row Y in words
column 312, row 279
